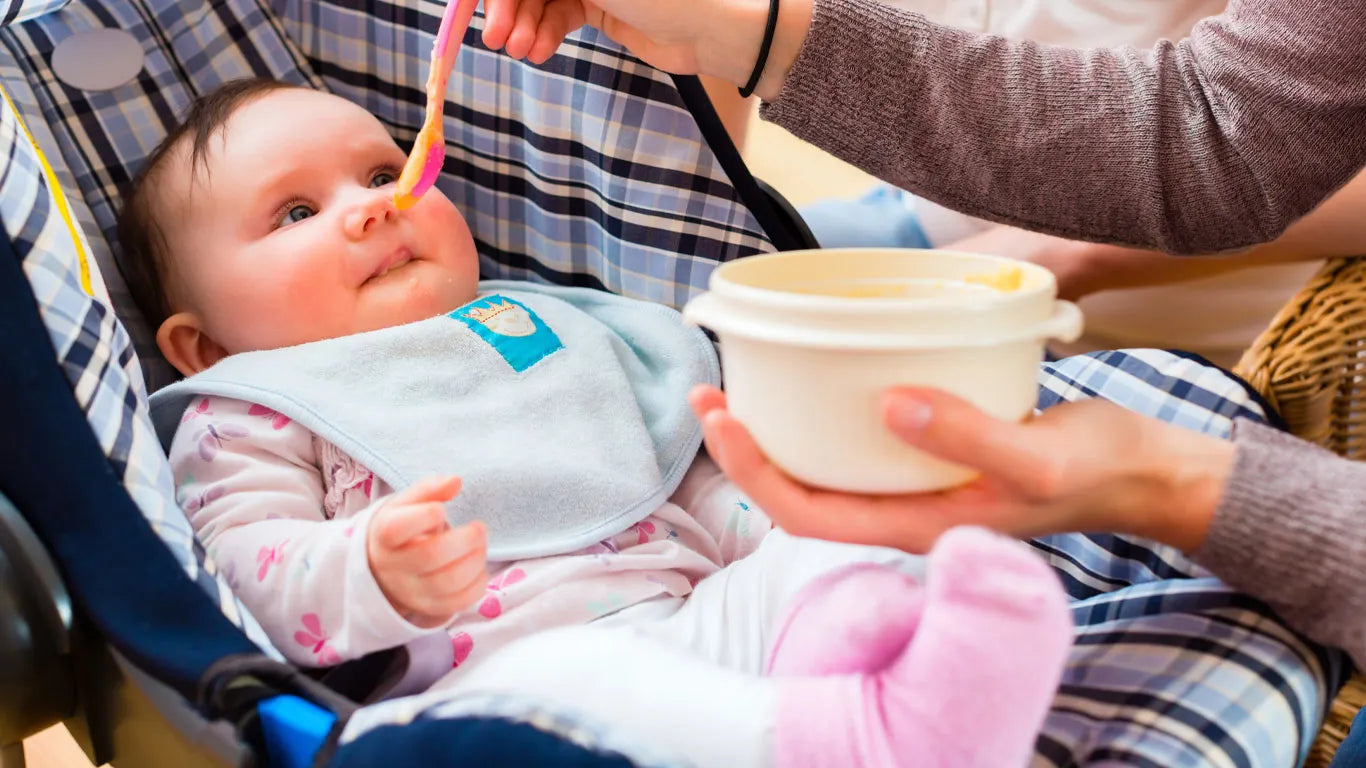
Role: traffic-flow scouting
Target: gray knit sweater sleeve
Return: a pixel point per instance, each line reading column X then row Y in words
column 1291, row 531
column 1216, row 142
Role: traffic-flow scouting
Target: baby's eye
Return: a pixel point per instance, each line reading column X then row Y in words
column 296, row 213
column 382, row 178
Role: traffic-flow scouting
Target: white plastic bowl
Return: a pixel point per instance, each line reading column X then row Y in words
column 811, row 339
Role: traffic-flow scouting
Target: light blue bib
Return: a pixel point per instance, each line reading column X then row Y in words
column 564, row 410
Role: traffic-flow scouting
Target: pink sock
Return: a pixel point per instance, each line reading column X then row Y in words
column 971, row 688
column 854, row 619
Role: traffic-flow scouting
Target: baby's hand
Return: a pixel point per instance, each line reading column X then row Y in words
column 427, row 569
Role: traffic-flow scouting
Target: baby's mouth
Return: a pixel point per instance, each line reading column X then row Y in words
column 393, row 261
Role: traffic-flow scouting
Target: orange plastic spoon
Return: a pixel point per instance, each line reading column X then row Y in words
column 429, row 150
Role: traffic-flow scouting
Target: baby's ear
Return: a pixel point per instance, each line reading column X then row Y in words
column 186, row 346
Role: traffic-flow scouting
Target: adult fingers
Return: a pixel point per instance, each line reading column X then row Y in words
column 499, row 16
column 559, row 19
column 806, row 511
column 523, row 34
column 911, row 522
column 704, row 398
column 954, row 430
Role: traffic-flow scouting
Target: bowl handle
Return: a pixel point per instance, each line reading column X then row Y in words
column 1065, row 324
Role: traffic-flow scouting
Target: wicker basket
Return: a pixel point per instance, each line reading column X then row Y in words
column 1310, row 364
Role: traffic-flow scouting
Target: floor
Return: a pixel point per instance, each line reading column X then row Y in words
column 54, row 748
column 799, row 171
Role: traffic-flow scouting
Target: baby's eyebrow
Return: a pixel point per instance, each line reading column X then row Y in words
column 372, row 145
column 275, row 182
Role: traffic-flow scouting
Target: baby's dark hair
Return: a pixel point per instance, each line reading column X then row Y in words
column 145, row 260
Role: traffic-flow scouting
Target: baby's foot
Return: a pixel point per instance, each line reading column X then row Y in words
column 970, row 689
column 857, row 618
column 992, row 577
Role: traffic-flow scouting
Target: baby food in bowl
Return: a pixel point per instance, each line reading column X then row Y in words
column 811, row 339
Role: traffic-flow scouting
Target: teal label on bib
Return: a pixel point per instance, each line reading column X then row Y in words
column 511, row 328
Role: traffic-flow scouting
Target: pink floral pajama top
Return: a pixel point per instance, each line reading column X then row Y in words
column 284, row 513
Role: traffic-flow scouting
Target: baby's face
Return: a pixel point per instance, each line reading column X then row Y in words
column 292, row 236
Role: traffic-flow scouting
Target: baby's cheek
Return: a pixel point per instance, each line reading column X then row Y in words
column 443, row 223
column 288, row 309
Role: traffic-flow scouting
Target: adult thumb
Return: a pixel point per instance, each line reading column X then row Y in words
column 955, row 430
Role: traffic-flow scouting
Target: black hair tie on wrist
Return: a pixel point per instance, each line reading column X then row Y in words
column 759, row 63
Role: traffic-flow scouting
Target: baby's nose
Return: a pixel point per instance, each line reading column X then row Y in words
column 372, row 211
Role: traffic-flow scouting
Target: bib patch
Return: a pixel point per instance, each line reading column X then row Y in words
column 511, row 328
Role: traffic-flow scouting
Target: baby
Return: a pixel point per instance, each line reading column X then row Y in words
column 345, row 362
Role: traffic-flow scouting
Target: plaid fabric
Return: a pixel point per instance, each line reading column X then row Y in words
column 587, row 170
column 15, row 11
column 1171, row 667
column 102, row 137
column 94, row 350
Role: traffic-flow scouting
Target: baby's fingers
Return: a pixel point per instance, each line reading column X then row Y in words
column 451, row 546
column 397, row 525
column 447, row 593
column 458, row 577
column 435, row 488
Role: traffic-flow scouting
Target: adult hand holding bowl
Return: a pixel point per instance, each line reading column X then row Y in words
column 810, row 341
column 1084, row 466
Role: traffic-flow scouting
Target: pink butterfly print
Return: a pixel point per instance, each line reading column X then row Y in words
column 210, row 494
column 214, row 436
column 277, row 420
column 201, row 409
column 462, row 644
column 492, row 607
column 643, row 530
column 313, row 637
column 268, row 556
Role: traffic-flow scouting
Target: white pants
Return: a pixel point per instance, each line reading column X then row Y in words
column 685, row 675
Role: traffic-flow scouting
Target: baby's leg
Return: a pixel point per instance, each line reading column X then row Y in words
column 970, row 688
column 733, row 616
column 654, row 692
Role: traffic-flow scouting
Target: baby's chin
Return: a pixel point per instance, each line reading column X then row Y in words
column 415, row 299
